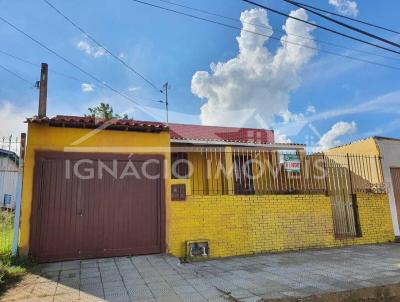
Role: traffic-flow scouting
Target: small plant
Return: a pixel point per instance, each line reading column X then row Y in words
column 6, row 232
column 9, row 273
column 6, row 217
column 105, row 111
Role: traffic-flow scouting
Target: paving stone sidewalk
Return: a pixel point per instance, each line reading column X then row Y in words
column 163, row 278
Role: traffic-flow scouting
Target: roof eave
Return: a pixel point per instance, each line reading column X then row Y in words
column 243, row 144
column 119, row 126
column 384, row 138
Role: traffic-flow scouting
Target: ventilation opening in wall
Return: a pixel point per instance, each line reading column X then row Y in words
column 197, row 250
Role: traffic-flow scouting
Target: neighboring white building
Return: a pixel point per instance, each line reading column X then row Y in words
column 8, row 178
column 389, row 149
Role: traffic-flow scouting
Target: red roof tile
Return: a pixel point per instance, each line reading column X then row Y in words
column 90, row 122
column 177, row 131
column 226, row 134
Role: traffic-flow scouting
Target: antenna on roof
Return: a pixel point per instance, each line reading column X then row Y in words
column 165, row 91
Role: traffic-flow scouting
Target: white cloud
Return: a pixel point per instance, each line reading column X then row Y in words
column 255, row 79
column 133, row 88
column 345, row 7
column 331, row 138
column 87, row 87
column 281, row 137
column 12, row 119
column 382, row 129
column 386, row 103
column 289, row 117
column 311, row 109
column 87, row 48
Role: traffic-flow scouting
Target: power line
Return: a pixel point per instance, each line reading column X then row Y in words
column 268, row 36
column 276, row 30
column 353, row 28
column 17, row 75
column 321, row 27
column 69, row 62
column 18, row 58
column 101, row 45
column 349, row 18
column 38, row 65
column 81, row 81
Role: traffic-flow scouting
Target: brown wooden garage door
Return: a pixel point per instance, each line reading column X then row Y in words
column 91, row 205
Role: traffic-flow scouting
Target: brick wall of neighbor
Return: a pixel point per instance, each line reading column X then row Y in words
column 241, row 225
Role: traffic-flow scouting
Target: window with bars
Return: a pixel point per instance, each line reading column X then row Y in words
column 179, row 165
column 243, row 177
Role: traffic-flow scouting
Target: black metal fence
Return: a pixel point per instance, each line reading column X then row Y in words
column 258, row 171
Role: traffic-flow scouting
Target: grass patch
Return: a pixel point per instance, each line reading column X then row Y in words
column 11, row 271
column 6, row 232
column 6, row 239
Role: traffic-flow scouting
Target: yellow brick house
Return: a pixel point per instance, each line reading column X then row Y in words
column 96, row 188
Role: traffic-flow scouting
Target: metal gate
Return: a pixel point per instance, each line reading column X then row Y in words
column 88, row 212
column 345, row 217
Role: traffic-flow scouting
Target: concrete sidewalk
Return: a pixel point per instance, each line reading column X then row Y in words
column 162, row 278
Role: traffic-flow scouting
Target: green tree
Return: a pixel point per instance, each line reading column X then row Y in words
column 104, row 111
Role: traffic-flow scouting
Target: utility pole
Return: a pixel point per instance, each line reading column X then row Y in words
column 165, row 90
column 43, row 90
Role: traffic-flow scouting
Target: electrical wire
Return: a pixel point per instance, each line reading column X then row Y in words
column 268, row 36
column 18, row 58
column 38, row 65
column 70, row 62
column 321, row 27
column 18, row 76
column 65, row 75
column 349, row 18
column 102, row 46
column 277, row 30
column 353, row 28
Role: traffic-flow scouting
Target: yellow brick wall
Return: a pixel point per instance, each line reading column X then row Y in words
column 241, row 225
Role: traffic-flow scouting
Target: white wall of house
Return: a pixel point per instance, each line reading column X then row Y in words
column 8, row 181
column 390, row 153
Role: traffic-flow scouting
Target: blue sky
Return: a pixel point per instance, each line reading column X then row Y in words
column 330, row 100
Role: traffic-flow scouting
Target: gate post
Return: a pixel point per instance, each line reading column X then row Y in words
column 229, row 168
column 18, row 195
column 354, row 202
column 326, row 171
column 350, row 177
